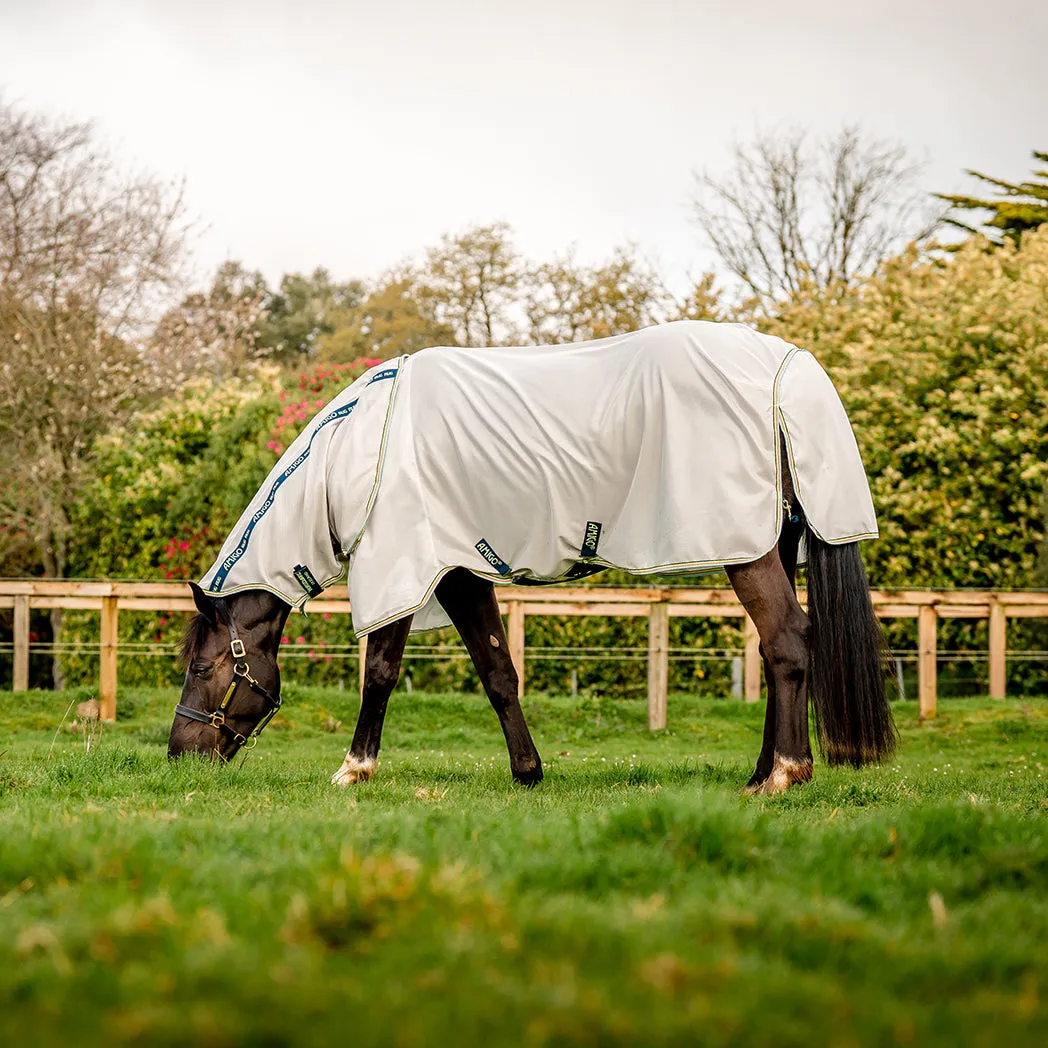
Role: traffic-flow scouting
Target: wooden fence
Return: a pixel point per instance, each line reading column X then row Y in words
column 659, row 605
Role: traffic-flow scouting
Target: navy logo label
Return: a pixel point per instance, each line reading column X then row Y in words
column 387, row 373
column 492, row 557
column 307, row 580
column 592, row 539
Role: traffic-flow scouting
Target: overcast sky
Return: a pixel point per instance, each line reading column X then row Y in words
column 350, row 134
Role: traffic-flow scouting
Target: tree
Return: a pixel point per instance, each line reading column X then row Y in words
column 566, row 302
column 1019, row 207
column 468, row 284
column 74, row 227
column 795, row 213
column 217, row 332
column 305, row 309
column 395, row 318
column 86, row 252
column 703, row 302
column 65, row 380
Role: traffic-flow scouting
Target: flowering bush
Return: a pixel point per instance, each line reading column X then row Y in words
column 943, row 367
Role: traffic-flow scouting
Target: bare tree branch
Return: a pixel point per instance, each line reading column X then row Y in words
column 792, row 213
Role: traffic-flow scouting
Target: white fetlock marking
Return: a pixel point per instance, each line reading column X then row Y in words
column 353, row 770
column 785, row 772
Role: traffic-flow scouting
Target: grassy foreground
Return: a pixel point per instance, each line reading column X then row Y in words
column 634, row 898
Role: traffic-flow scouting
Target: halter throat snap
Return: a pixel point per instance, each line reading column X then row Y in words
column 241, row 672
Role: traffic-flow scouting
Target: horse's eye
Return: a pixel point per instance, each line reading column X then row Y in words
column 201, row 669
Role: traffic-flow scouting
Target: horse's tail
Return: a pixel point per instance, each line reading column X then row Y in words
column 846, row 673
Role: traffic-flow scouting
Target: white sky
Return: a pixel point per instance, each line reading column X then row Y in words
column 350, row 134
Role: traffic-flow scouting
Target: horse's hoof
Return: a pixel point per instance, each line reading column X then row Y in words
column 353, row 770
column 758, row 778
column 528, row 776
column 785, row 772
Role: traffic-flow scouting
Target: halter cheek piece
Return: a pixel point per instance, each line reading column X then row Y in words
column 241, row 672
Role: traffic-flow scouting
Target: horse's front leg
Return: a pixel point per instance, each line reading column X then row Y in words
column 472, row 606
column 767, row 755
column 385, row 650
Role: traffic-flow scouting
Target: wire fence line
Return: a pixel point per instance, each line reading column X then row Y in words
column 657, row 604
column 609, row 653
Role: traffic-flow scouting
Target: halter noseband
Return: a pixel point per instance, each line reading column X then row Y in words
column 241, row 672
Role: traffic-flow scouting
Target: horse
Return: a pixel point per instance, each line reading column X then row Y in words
column 614, row 443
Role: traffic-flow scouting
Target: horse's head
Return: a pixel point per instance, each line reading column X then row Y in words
column 232, row 685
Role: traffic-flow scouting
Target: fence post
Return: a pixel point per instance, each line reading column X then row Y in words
column 998, row 648
column 515, row 635
column 20, row 679
column 658, row 664
column 751, row 669
column 107, row 679
column 926, row 645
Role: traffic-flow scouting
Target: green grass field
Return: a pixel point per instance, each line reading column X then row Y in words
column 634, row 898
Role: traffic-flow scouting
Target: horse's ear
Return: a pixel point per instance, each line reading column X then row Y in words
column 204, row 604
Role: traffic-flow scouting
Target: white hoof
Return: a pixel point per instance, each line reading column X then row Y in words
column 353, row 770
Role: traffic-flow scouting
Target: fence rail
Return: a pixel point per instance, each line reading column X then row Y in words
column 658, row 604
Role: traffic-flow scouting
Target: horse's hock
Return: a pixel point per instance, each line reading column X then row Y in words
column 658, row 604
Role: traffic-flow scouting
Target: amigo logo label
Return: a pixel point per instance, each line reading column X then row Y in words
column 387, row 373
column 591, row 539
column 307, row 580
column 492, row 557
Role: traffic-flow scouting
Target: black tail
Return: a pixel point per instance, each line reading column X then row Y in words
column 846, row 675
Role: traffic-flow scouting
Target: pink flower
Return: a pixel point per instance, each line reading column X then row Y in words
column 285, row 640
column 183, row 546
column 300, row 640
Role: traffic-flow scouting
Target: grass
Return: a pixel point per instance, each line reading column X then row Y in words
column 634, row 898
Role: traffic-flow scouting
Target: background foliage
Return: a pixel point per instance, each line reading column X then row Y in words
column 136, row 435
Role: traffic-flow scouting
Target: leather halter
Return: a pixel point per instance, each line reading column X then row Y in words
column 241, row 672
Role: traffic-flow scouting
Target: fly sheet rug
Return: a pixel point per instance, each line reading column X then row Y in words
column 656, row 451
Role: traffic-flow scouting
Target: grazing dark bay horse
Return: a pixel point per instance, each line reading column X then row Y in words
column 740, row 433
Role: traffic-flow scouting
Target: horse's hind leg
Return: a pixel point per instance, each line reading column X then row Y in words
column 766, row 592
column 472, row 606
column 385, row 650
column 789, row 541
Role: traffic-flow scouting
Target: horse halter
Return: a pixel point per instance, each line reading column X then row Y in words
column 241, row 672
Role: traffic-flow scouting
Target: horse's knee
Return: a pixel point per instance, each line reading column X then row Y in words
column 381, row 675
column 501, row 684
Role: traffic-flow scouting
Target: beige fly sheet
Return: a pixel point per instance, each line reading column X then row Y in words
column 654, row 451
